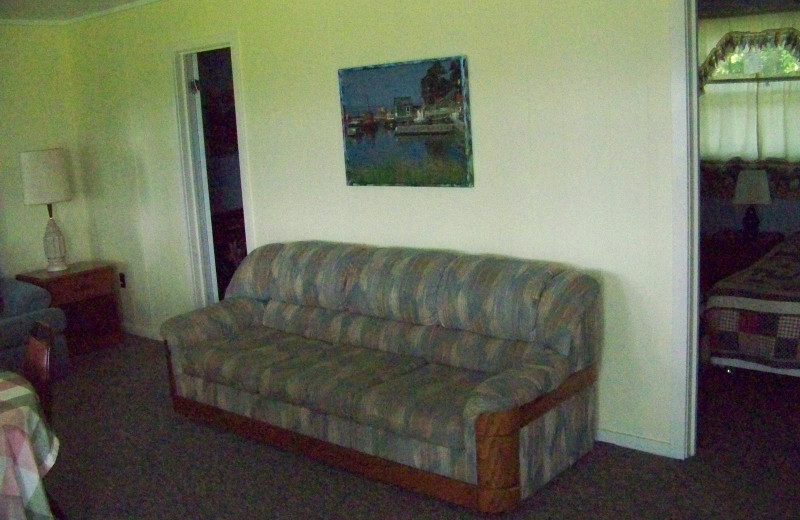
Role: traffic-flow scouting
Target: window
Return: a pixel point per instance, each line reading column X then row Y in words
column 751, row 96
column 743, row 56
column 770, row 62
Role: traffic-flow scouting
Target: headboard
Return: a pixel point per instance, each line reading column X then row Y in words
column 718, row 178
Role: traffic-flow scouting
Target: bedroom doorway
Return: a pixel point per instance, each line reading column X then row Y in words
column 213, row 188
column 214, row 86
column 739, row 401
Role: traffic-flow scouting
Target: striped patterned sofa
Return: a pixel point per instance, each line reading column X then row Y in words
column 467, row 377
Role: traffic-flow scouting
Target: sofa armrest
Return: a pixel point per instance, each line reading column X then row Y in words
column 14, row 331
column 215, row 321
column 51, row 317
column 519, row 385
column 22, row 297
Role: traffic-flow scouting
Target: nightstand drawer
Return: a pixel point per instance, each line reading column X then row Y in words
column 82, row 286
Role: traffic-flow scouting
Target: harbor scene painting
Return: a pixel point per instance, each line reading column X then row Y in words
column 407, row 124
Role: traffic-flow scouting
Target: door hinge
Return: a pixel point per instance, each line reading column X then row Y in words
column 194, row 85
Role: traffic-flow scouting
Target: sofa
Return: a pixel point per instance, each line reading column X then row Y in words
column 21, row 306
column 471, row 378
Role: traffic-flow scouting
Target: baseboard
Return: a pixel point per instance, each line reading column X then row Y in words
column 635, row 442
column 141, row 330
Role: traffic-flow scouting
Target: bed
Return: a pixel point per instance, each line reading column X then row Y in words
column 752, row 318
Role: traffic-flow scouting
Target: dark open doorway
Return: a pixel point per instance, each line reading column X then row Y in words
column 217, row 100
column 746, row 398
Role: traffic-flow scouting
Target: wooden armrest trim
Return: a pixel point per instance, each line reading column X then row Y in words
column 497, row 443
column 44, row 332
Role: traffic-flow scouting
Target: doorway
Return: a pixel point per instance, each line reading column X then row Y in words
column 218, row 108
column 741, row 402
column 212, row 171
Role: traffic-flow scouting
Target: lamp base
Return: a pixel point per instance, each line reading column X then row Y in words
column 55, row 248
column 750, row 223
column 55, row 267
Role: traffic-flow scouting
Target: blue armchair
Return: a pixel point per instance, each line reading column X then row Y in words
column 21, row 305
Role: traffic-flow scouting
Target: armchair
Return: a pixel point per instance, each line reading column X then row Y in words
column 21, row 306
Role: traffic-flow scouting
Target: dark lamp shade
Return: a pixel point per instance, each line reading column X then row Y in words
column 752, row 187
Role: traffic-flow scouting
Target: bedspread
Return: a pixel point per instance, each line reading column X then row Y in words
column 28, row 449
column 754, row 315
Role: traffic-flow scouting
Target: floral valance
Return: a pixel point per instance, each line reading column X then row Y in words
column 737, row 41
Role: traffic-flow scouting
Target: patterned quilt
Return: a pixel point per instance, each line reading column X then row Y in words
column 754, row 315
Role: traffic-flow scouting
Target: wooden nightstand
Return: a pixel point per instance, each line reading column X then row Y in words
column 86, row 292
column 726, row 252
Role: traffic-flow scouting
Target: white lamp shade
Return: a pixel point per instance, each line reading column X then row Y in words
column 44, row 176
column 752, row 187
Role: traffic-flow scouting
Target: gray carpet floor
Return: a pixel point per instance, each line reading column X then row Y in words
column 126, row 455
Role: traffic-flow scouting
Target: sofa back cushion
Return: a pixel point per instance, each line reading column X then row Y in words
column 308, row 321
column 314, row 273
column 470, row 351
column 455, row 348
column 347, row 328
column 399, row 284
column 493, row 295
column 22, row 297
column 570, row 318
column 477, row 312
column 252, row 277
column 387, row 335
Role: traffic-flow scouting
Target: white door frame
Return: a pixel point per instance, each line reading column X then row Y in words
column 683, row 413
column 197, row 208
column 198, row 183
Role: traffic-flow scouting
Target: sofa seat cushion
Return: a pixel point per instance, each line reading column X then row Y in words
column 337, row 383
column 242, row 361
column 426, row 404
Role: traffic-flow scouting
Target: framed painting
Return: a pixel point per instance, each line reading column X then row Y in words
column 407, row 124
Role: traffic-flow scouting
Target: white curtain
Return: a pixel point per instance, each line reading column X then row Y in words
column 729, row 115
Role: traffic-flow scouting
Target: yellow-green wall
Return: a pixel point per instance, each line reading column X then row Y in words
column 37, row 111
column 572, row 133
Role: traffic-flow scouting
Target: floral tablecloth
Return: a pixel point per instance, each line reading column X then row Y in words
column 28, row 449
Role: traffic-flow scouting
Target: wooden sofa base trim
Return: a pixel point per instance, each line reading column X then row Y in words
column 497, row 446
column 376, row 468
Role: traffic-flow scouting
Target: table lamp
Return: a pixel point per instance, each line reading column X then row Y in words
column 45, row 181
column 752, row 187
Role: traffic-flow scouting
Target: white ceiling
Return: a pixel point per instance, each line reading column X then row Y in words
column 56, row 11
